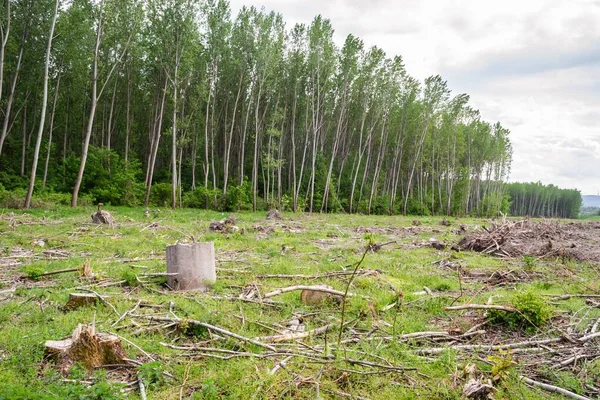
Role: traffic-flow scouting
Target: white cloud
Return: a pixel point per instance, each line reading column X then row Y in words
column 533, row 65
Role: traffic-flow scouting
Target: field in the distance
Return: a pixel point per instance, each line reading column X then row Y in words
column 397, row 340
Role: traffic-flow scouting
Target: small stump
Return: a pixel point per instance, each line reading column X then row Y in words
column 273, row 214
column 103, row 217
column 191, row 266
column 86, row 346
column 77, row 300
column 226, row 225
column 315, row 297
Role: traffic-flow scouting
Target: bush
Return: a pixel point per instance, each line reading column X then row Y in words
column 12, row 199
column 160, row 194
column 238, row 198
column 533, row 312
column 44, row 199
column 111, row 180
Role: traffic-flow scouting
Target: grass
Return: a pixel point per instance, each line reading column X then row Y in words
column 301, row 244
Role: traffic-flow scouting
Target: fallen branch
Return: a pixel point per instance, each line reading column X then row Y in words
column 552, row 388
column 569, row 296
column 59, row 271
column 589, row 337
column 295, row 336
column 142, row 388
column 481, row 307
column 418, row 335
column 375, row 365
column 488, row 347
column 304, row 287
column 207, row 326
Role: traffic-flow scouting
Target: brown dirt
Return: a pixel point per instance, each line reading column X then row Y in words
column 546, row 239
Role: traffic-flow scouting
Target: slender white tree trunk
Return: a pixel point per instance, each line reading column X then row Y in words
column 50, row 129
column 38, row 142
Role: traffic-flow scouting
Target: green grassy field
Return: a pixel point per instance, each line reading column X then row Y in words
column 399, row 289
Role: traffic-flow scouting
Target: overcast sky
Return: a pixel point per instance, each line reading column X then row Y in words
column 533, row 65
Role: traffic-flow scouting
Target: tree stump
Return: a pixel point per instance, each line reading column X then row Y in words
column 77, row 300
column 103, row 217
column 87, row 346
column 315, row 297
column 273, row 214
column 194, row 265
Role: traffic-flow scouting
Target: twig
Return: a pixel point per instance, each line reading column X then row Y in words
column 102, row 299
column 185, row 378
column 134, row 345
column 127, row 312
column 142, row 388
column 574, row 359
column 589, row 337
column 280, row 364
column 207, row 326
column 459, row 284
column 419, row 335
column 345, row 295
column 569, row 296
column 553, row 389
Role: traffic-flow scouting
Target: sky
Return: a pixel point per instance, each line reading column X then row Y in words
column 533, row 65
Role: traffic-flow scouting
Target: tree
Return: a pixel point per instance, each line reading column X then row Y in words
column 117, row 56
column 43, row 111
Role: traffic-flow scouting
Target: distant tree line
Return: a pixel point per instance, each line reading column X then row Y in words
column 176, row 102
column 537, row 200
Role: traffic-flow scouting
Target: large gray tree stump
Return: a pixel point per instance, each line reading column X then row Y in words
column 194, row 265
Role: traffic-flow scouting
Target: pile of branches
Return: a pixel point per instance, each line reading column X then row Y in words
column 537, row 239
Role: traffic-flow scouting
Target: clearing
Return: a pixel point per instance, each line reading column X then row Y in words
column 423, row 317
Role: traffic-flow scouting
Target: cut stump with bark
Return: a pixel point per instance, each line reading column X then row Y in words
column 77, row 300
column 191, row 266
column 92, row 349
column 313, row 297
column 103, row 217
column 273, row 214
column 226, row 225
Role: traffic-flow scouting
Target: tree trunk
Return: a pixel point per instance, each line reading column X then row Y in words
column 128, row 115
column 11, row 96
column 50, row 129
column 154, row 150
column 4, row 36
column 228, row 145
column 256, row 154
column 92, row 115
column 95, row 97
column 174, row 139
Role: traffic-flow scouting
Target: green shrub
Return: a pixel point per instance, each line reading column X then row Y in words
column 238, row 198
column 532, row 312
column 160, row 195
column 201, row 197
column 12, row 199
column 111, row 180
